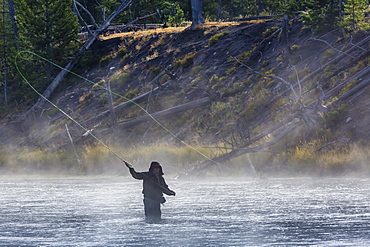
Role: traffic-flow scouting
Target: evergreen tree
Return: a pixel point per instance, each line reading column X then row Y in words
column 354, row 18
column 322, row 15
column 49, row 28
column 229, row 9
column 135, row 10
column 8, row 34
column 285, row 6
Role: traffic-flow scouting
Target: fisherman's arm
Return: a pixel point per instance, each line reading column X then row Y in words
column 134, row 174
column 166, row 190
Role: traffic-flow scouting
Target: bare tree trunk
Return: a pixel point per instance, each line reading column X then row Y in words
column 74, row 148
column 12, row 17
column 197, row 12
column 219, row 11
column 259, row 7
column 111, row 108
column 284, row 130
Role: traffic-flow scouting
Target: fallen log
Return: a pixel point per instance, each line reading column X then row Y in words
column 319, row 70
column 238, row 152
column 353, row 91
column 362, row 73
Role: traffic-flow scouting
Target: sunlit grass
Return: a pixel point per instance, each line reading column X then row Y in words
column 355, row 159
column 99, row 160
column 143, row 33
column 16, row 160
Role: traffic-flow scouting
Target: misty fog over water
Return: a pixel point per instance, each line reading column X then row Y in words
column 217, row 212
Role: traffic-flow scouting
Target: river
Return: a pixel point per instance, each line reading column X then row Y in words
column 92, row 211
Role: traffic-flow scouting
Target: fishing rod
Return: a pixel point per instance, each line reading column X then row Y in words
column 63, row 112
column 75, row 121
column 114, row 93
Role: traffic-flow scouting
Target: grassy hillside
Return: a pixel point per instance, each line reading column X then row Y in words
column 255, row 97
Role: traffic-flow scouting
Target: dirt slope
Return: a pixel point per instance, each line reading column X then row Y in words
column 247, row 70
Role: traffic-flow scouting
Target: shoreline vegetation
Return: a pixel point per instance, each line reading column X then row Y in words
column 236, row 65
column 98, row 161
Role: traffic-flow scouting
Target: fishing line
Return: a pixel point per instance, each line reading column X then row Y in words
column 72, row 119
column 123, row 97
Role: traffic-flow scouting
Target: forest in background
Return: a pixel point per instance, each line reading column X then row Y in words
column 231, row 116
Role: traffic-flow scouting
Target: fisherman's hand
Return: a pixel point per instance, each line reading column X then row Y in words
column 128, row 164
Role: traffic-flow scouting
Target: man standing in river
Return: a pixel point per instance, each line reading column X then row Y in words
column 154, row 186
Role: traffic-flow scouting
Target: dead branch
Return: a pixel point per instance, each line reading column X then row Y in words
column 339, row 57
column 75, row 3
column 238, row 152
column 332, row 47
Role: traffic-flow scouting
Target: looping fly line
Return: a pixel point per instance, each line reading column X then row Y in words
column 76, row 122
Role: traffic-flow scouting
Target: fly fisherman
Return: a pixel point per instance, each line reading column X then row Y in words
column 154, row 186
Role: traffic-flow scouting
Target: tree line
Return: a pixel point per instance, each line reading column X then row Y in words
column 50, row 28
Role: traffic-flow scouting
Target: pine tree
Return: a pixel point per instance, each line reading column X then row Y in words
column 49, row 28
column 323, row 15
column 8, row 34
column 354, row 18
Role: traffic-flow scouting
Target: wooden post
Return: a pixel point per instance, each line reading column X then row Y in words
column 74, row 148
column 111, row 108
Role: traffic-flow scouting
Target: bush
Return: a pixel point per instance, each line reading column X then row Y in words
column 269, row 31
column 195, row 70
column 105, row 60
column 120, row 78
column 334, row 117
column 186, row 62
column 214, row 39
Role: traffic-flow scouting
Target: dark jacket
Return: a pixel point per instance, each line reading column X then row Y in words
column 153, row 185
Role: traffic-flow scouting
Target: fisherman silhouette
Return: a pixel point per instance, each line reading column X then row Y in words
column 154, row 186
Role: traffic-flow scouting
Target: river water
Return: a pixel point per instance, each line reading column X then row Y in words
column 222, row 212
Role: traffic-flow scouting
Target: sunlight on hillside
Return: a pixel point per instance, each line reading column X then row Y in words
column 172, row 29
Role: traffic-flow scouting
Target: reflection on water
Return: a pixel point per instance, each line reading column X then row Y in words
column 109, row 212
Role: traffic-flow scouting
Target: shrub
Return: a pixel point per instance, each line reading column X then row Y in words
column 230, row 71
column 121, row 51
column 334, row 117
column 265, row 63
column 214, row 39
column 186, row 62
column 269, row 31
column 195, row 70
column 121, row 77
column 131, row 94
column 105, row 60
column 227, row 92
column 295, row 47
column 327, row 55
column 165, row 78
